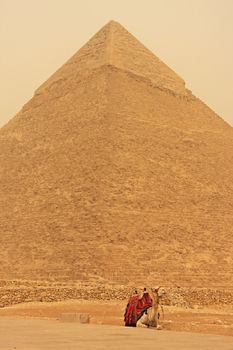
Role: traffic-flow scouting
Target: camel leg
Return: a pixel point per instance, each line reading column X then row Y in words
column 154, row 323
column 141, row 324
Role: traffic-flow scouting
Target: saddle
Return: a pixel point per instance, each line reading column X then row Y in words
column 135, row 308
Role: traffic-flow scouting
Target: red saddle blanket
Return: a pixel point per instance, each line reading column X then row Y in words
column 135, row 308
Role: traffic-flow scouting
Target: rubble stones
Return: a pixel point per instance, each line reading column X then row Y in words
column 14, row 292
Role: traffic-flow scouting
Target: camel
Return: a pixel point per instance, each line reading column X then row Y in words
column 150, row 316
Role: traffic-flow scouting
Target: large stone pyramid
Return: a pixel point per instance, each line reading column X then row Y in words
column 115, row 173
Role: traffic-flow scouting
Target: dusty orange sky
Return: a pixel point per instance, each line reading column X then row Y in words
column 194, row 37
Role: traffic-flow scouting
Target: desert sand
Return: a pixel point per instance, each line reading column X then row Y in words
column 217, row 321
column 36, row 334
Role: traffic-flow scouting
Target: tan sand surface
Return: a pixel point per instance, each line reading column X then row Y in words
column 31, row 334
column 199, row 320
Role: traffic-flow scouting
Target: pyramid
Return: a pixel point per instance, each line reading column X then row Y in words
column 114, row 172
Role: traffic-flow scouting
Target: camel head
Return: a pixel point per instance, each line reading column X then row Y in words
column 158, row 290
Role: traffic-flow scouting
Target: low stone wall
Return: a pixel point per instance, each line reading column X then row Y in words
column 14, row 293
column 190, row 297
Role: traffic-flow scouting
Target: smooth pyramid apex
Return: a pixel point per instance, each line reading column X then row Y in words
column 114, row 45
column 112, row 22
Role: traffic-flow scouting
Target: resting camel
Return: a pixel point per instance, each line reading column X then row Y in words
column 150, row 316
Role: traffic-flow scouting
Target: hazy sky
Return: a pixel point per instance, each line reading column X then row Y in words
column 194, row 37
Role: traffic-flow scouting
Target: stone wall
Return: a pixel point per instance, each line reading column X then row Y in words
column 13, row 292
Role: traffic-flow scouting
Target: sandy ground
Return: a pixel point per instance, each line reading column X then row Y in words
column 198, row 320
column 32, row 334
